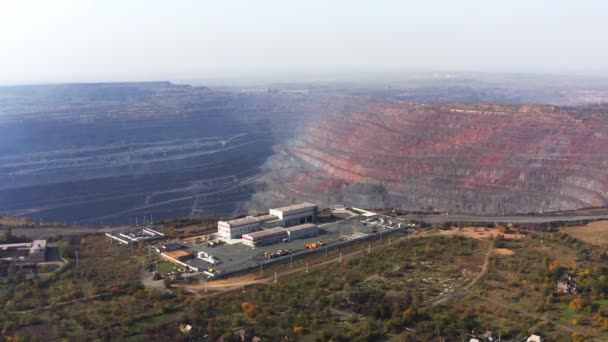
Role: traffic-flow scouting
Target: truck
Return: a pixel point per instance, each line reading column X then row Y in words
column 279, row 253
column 315, row 245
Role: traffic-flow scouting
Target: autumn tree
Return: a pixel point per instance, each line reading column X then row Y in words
column 248, row 309
column 577, row 304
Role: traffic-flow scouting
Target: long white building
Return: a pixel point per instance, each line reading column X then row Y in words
column 264, row 237
column 235, row 229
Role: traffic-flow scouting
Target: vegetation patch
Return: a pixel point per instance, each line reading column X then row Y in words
column 595, row 233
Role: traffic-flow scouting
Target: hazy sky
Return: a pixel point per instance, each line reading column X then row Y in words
column 108, row 40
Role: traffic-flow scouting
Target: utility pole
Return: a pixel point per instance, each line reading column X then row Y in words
column 76, row 258
column 369, row 248
column 291, row 261
column 275, row 277
column 205, row 285
column 340, row 260
column 306, row 267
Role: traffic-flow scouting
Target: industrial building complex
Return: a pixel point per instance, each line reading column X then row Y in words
column 246, row 242
column 271, row 227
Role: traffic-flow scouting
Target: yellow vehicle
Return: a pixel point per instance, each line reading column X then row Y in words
column 315, row 245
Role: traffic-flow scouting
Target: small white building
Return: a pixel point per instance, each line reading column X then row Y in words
column 534, row 338
column 235, row 229
column 295, row 214
column 264, row 237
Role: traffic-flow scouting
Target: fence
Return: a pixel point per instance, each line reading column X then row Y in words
column 310, row 252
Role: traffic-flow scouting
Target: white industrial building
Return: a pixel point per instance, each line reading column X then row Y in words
column 269, row 221
column 295, row 214
column 234, row 229
column 302, row 231
column 289, row 216
column 264, row 237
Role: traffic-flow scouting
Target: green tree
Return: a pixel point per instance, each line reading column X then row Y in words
column 8, row 234
column 66, row 249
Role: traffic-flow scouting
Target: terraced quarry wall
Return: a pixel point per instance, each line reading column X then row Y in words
column 107, row 153
column 457, row 157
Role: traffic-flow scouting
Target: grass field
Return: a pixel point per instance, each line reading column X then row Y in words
column 166, row 267
column 595, row 233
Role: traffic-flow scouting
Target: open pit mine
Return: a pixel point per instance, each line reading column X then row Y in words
column 113, row 153
column 473, row 158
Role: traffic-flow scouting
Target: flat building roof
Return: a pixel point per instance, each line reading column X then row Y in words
column 301, row 227
column 242, row 221
column 266, row 218
column 264, row 233
column 296, row 207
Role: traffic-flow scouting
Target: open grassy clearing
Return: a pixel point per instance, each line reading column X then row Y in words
column 482, row 233
column 595, row 233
